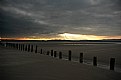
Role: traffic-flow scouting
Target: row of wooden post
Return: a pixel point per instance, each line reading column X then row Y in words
column 22, row 47
column 54, row 54
column 30, row 48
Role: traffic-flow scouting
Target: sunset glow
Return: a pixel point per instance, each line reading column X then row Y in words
column 66, row 36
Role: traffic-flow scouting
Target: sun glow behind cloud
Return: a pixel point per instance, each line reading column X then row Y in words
column 66, row 36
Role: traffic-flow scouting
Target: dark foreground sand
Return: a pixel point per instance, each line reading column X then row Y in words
column 17, row 65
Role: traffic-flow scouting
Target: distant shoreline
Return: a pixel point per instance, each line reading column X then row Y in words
column 108, row 40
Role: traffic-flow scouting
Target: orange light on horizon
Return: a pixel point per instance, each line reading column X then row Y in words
column 66, row 36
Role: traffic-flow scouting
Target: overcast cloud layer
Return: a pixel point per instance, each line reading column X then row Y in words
column 19, row 18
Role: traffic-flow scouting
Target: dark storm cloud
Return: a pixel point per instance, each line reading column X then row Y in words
column 38, row 17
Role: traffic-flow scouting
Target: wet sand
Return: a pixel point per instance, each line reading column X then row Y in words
column 19, row 65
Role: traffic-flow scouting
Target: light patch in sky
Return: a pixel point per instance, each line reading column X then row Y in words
column 66, row 36
column 69, row 36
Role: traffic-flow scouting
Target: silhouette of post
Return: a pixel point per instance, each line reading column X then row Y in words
column 55, row 54
column 51, row 52
column 36, row 49
column 16, row 46
column 26, row 47
column 112, row 63
column 81, row 58
column 21, row 47
column 41, row 51
column 60, row 55
column 94, row 61
column 48, row 52
column 31, row 48
column 69, row 56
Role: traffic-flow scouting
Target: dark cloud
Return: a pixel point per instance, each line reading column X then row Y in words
column 39, row 17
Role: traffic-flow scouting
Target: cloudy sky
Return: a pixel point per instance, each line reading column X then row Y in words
column 67, row 19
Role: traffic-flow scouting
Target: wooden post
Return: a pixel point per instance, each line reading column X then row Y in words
column 94, row 61
column 36, row 49
column 112, row 63
column 21, row 47
column 31, row 48
column 81, row 58
column 26, row 47
column 69, row 56
column 16, row 46
column 13, row 45
column 51, row 52
column 41, row 51
column 55, row 54
column 48, row 52
column 60, row 55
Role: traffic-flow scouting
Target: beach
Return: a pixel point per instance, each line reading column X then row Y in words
column 102, row 50
column 20, row 65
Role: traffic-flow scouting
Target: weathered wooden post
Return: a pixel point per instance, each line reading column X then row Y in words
column 31, row 48
column 41, row 51
column 12, row 45
column 51, row 52
column 26, row 47
column 60, row 55
column 69, row 56
column 55, row 54
column 81, row 58
column 23, row 47
column 112, row 63
column 94, row 61
column 36, row 49
column 17, row 46
column 48, row 52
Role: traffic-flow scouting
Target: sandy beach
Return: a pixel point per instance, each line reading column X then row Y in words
column 103, row 51
column 19, row 65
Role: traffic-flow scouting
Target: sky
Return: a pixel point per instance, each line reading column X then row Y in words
column 60, row 19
